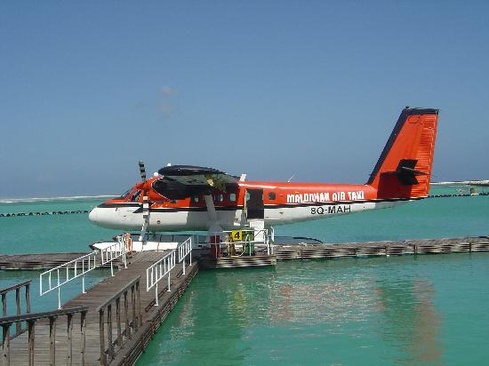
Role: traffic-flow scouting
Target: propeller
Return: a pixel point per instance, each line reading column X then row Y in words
column 142, row 170
column 146, row 204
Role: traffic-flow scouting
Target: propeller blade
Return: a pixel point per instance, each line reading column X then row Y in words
column 142, row 170
column 146, row 213
column 146, row 203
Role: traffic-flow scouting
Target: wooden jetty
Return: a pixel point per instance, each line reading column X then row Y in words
column 383, row 248
column 116, row 319
column 110, row 324
column 36, row 261
column 345, row 250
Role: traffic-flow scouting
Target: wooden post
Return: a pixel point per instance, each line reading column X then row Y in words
column 83, row 324
column 4, row 304
column 28, row 297
column 110, row 344
column 30, row 337
column 126, row 315
column 52, row 340
column 6, row 344
column 101, row 323
column 118, row 322
column 140, row 315
column 18, row 327
column 69, row 356
column 133, row 306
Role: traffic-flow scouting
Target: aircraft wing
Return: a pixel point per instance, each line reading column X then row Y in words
column 180, row 181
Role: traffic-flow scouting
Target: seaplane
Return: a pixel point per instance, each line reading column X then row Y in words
column 192, row 198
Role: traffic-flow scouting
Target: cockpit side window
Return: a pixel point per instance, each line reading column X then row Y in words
column 132, row 195
column 126, row 193
column 135, row 197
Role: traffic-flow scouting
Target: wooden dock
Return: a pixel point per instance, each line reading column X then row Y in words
column 383, row 248
column 116, row 319
column 36, row 261
column 111, row 319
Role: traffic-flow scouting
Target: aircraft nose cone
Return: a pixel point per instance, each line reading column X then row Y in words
column 93, row 215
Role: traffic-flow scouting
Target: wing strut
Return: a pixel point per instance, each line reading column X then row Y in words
column 211, row 209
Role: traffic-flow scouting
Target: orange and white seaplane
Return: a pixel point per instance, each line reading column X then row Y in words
column 191, row 198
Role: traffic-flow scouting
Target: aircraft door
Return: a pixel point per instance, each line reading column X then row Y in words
column 254, row 204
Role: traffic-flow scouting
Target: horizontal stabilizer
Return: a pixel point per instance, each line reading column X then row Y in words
column 406, row 173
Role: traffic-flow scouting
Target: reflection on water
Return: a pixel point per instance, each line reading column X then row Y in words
column 410, row 320
column 329, row 309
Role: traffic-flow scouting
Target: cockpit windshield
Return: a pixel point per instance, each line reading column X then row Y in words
column 132, row 195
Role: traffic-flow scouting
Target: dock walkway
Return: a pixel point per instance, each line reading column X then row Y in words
column 136, row 331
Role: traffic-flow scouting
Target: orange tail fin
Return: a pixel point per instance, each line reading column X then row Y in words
column 404, row 167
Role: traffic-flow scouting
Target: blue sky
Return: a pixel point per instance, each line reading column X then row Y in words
column 275, row 89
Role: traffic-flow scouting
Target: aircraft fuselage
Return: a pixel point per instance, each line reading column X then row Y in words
column 276, row 204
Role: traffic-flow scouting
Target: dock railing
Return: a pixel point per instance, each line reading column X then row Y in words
column 113, row 252
column 244, row 242
column 185, row 249
column 127, row 320
column 56, row 277
column 158, row 271
column 18, row 303
column 53, row 316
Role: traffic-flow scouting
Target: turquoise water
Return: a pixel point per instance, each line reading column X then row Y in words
column 428, row 310
column 396, row 310
column 48, row 234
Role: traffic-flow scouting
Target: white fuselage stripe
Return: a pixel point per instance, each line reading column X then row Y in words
column 126, row 218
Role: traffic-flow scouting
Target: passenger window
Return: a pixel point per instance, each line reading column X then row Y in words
column 271, row 196
column 195, row 199
column 219, row 198
column 232, row 197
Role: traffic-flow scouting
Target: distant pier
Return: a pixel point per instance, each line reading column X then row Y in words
column 384, row 248
column 35, row 261
column 448, row 195
column 113, row 322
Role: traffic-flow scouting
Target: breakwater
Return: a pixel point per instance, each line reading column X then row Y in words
column 43, row 213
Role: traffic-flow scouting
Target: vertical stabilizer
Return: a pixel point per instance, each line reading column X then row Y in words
column 404, row 167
